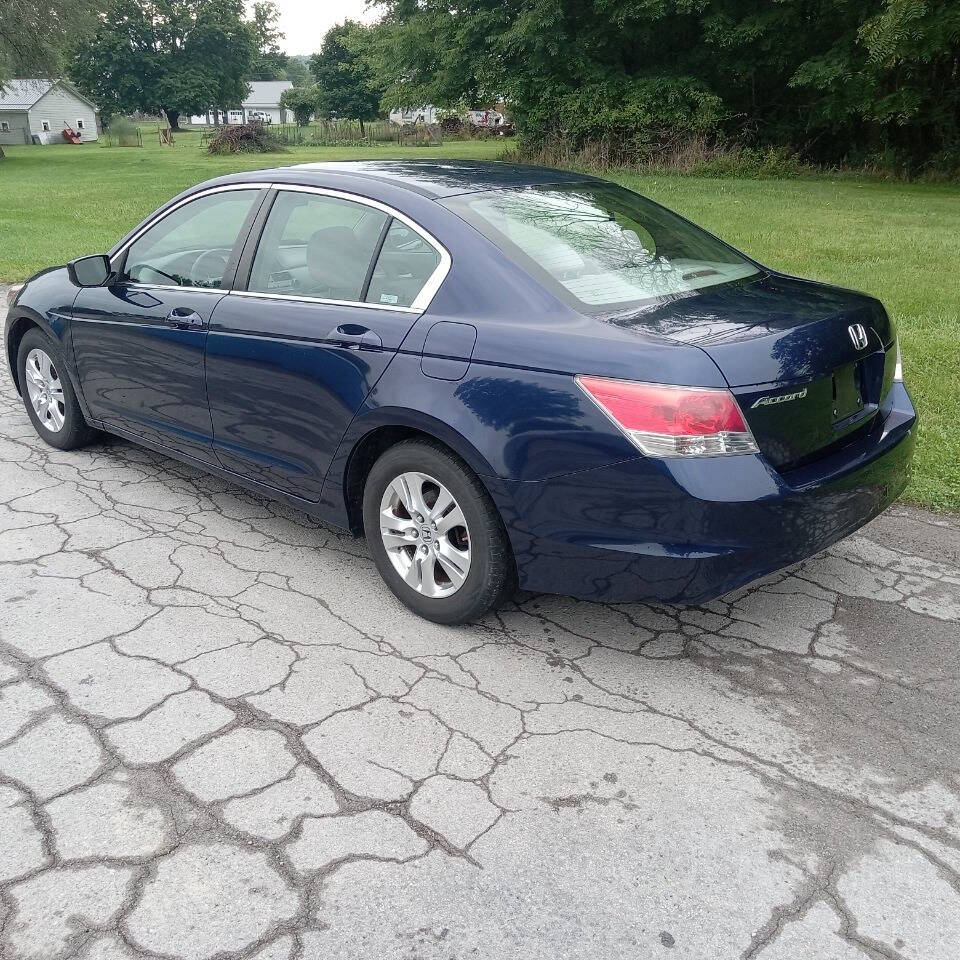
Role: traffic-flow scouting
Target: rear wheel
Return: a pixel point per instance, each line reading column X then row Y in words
column 48, row 394
column 436, row 537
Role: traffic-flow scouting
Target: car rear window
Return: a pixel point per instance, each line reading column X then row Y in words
column 599, row 246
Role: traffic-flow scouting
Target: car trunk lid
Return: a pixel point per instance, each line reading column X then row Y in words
column 808, row 364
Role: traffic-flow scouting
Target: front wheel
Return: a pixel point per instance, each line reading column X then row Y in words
column 435, row 535
column 48, row 394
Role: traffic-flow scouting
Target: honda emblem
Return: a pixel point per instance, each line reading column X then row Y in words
column 858, row 335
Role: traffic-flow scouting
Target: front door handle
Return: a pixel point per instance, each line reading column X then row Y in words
column 354, row 336
column 183, row 318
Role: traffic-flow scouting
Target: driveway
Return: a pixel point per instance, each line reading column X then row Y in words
column 220, row 736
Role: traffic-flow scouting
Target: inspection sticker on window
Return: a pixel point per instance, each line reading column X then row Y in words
column 281, row 280
column 388, row 298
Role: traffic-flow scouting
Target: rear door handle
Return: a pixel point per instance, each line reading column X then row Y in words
column 354, row 336
column 185, row 319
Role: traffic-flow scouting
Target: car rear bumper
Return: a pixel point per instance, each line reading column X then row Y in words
column 688, row 531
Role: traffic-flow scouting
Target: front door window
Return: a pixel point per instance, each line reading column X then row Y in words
column 191, row 246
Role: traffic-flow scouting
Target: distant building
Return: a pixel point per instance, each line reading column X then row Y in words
column 262, row 103
column 486, row 118
column 490, row 117
column 37, row 111
column 407, row 115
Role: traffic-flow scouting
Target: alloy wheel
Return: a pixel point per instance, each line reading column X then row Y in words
column 44, row 390
column 425, row 534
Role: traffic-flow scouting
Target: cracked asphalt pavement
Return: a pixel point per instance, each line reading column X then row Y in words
column 221, row 737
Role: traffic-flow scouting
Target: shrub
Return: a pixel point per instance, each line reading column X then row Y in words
column 470, row 131
column 322, row 140
column 421, row 134
column 244, row 138
column 301, row 102
column 622, row 117
column 121, row 131
column 452, row 125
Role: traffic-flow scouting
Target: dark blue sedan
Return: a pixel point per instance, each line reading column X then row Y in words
column 502, row 376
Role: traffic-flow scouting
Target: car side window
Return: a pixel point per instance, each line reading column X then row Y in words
column 191, row 246
column 406, row 263
column 316, row 246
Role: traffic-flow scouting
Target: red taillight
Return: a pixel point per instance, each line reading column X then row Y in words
column 668, row 421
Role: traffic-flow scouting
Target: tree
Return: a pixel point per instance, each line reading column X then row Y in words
column 298, row 71
column 832, row 81
column 171, row 56
column 270, row 62
column 343, row 75
column 35, row 35
column 301, row 102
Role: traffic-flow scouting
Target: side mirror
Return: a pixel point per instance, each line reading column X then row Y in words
column 92, row 271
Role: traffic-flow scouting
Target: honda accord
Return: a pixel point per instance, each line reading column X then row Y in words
column 502, row 376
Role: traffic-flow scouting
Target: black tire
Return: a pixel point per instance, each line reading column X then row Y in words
column 491, row 577
column 75, row 432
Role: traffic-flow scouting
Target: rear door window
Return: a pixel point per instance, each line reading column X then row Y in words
column 317, row 246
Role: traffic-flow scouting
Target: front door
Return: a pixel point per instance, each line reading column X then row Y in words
column 291, row 359
column 139, row 343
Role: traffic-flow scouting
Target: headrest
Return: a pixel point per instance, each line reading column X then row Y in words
column 333, row 257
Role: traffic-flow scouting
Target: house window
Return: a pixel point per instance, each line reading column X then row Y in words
column 46, row 126
column 4, row 126
column 79, row 124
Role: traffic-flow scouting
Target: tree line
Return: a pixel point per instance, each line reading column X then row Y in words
column 155, row 56
column 833, row 81
column 183, row 57
column 830, row 81
column 187, row 57
column 178, row 57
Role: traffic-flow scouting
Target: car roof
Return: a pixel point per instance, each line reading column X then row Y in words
column 429, row 178
column 386, row 180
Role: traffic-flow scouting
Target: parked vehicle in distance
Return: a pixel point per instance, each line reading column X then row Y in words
column 259, row 116
column 486, row 118
column 502, row 376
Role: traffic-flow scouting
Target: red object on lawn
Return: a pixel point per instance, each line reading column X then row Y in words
column 71, row 135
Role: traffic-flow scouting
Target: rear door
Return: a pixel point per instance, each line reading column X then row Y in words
column 139, row 343
column 328, row 288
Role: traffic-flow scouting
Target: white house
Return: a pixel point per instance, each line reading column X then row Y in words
column 262, row 103
column 37, row 111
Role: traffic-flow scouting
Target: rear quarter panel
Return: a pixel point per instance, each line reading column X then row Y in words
column 516, row 413
column 523, row 424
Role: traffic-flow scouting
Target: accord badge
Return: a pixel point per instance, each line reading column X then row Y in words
column 782, row 398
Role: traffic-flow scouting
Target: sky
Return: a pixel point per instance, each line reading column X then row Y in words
column 304, row 22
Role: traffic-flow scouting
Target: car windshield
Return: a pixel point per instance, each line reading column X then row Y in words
column 599, row 246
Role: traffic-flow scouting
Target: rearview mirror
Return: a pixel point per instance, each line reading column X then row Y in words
column 92, row 271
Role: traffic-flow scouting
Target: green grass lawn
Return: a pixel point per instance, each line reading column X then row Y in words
column 900, row 242
column 61, row 201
